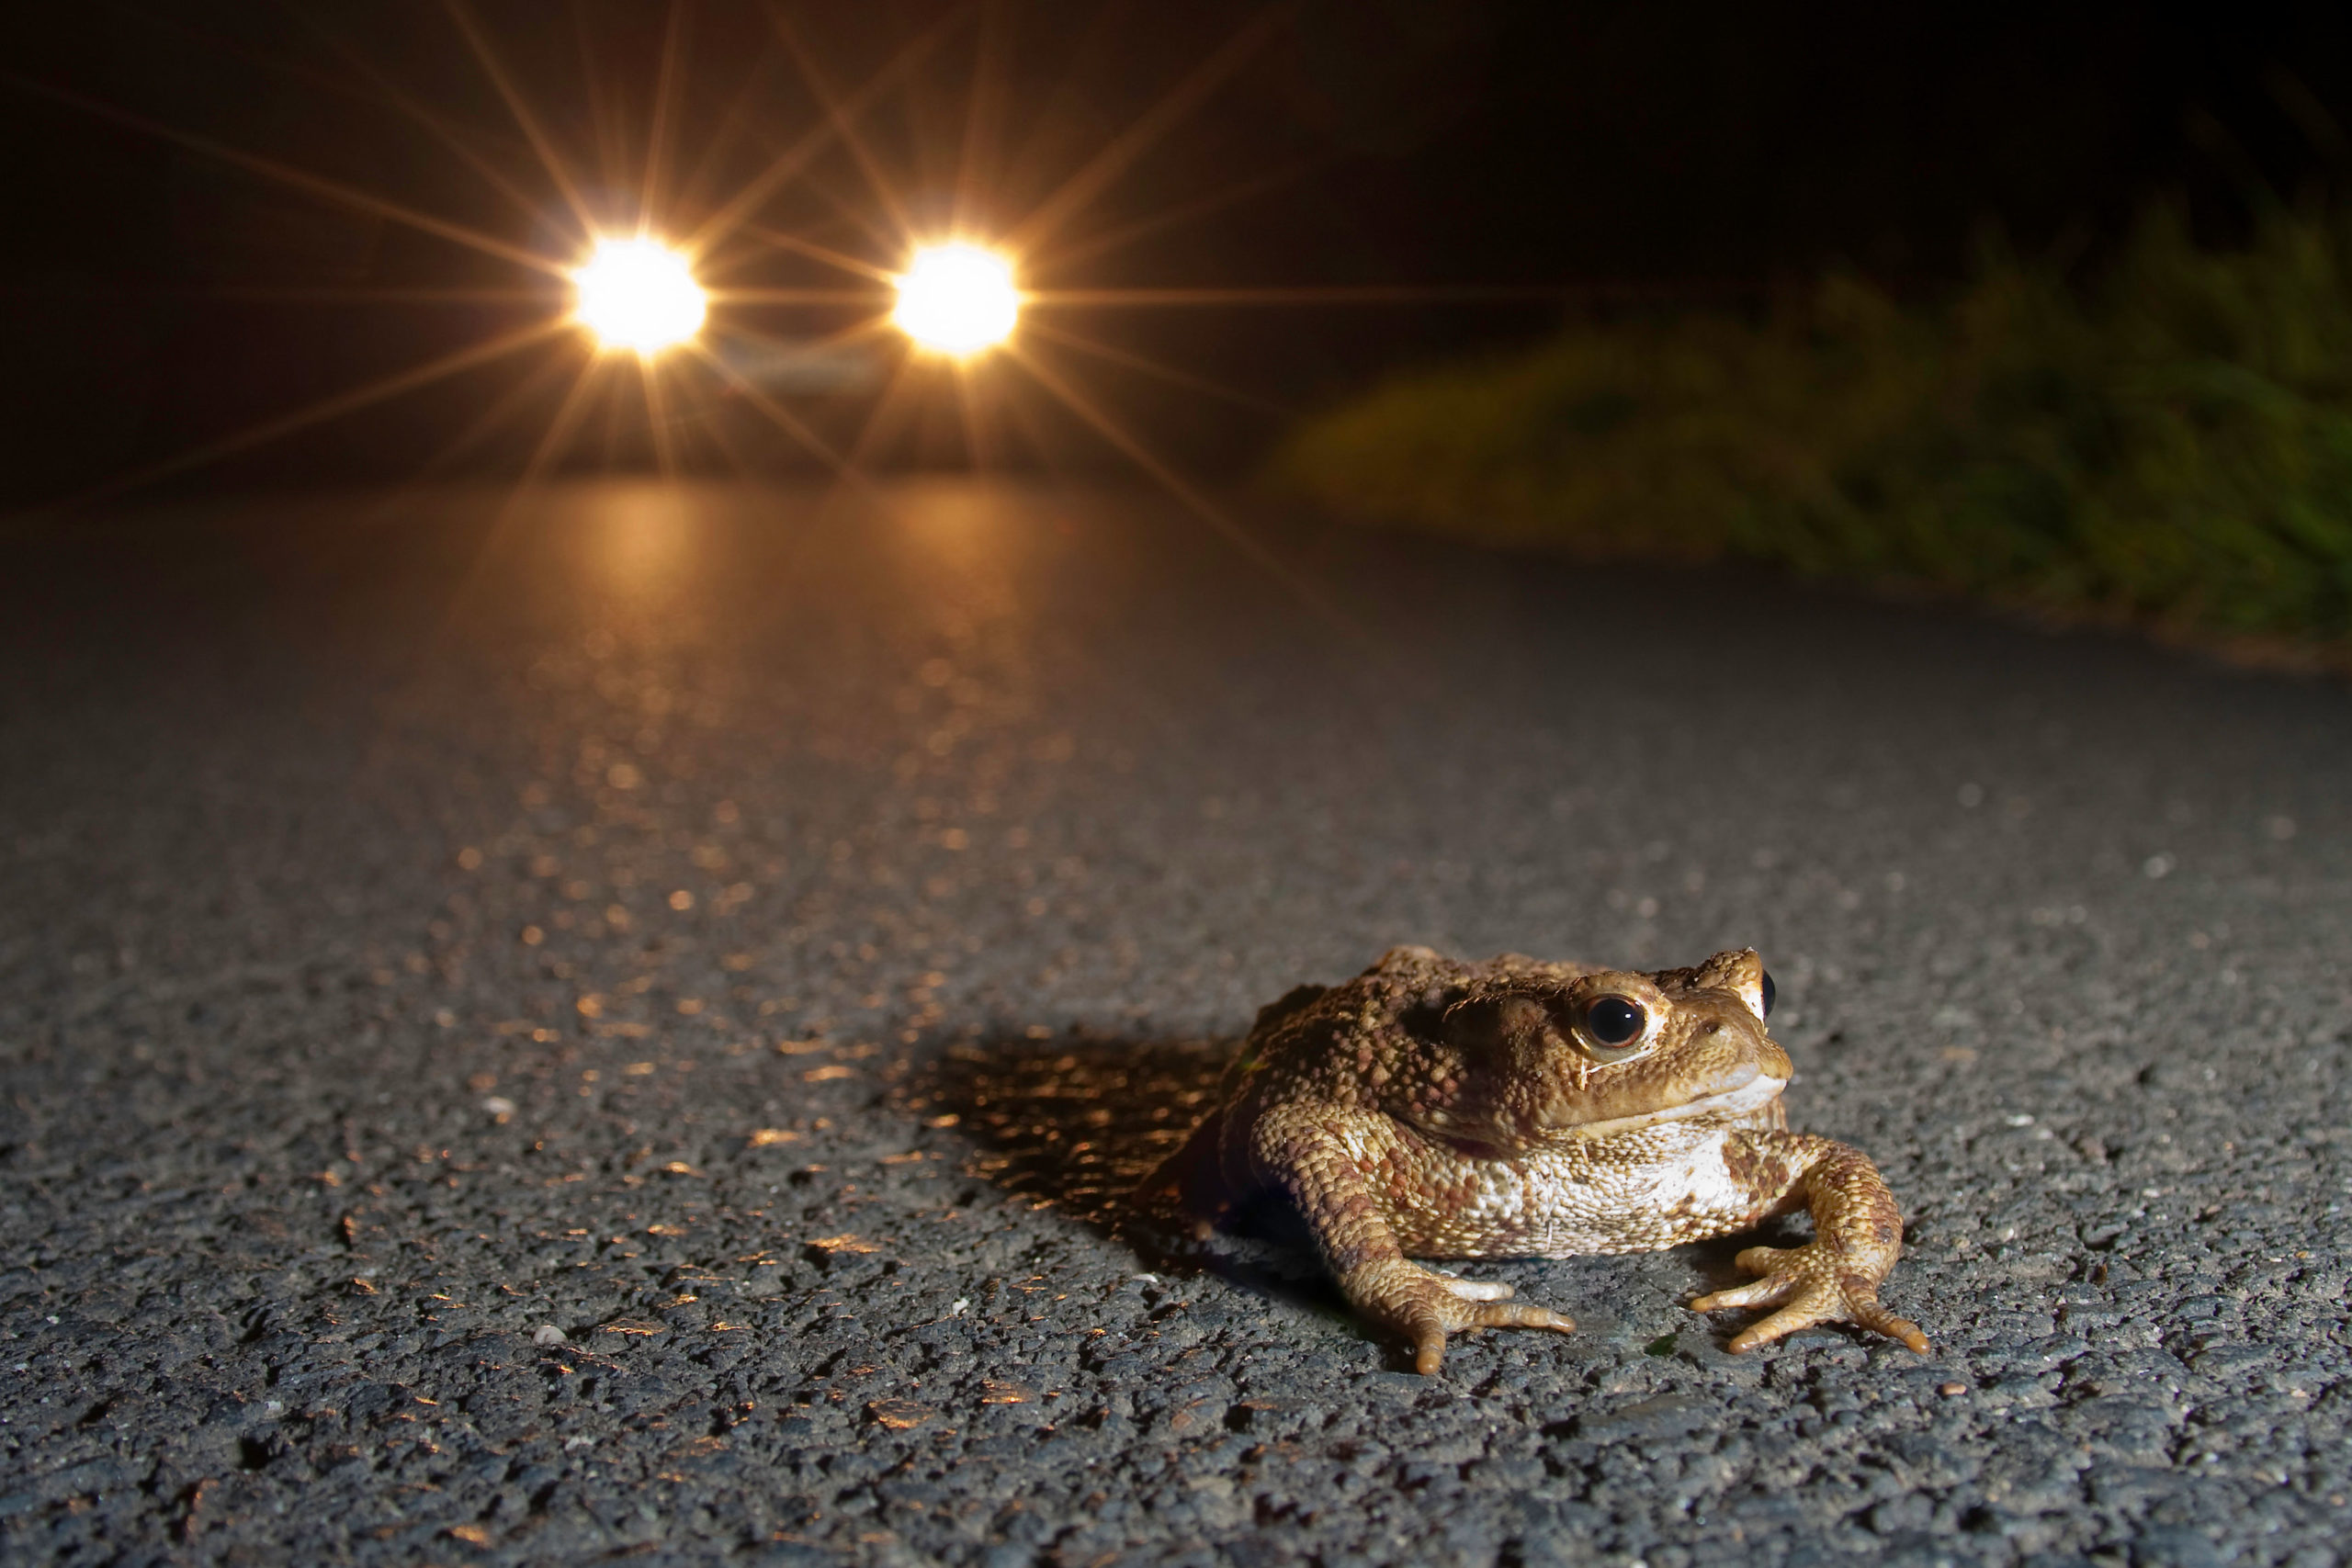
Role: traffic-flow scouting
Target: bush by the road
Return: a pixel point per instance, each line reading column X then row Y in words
column 2171, row 442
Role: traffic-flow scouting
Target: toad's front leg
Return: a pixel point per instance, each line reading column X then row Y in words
column 1856, row 1236
column 1303, row 1151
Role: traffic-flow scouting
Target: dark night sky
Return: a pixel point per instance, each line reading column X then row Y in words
column 1668, row 152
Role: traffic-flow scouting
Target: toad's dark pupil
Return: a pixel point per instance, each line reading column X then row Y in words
column 1614, row 1021
column 1770, row 991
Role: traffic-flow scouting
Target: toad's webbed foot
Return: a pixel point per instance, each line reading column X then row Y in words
column 1858, row 1234
column 1810, row 1285
column 1424, row 1306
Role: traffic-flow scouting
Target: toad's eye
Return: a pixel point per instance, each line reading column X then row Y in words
column 1614, row 1022
column 1770, row 991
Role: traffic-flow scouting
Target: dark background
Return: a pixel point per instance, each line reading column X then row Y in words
column 157, row 299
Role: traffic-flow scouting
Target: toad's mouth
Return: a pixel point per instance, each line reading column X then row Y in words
column 1754, row 1093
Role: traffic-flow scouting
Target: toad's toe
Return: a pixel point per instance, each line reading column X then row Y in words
column 1780, row 1279
column 1870, row 1315
column 1801, row 1315
column 1477, row 1290
column 1428, row 1334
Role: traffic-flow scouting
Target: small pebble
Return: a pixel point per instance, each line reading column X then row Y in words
column 1949, row 1389
column 548, row 1334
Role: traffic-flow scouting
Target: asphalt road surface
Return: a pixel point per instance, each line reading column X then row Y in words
column 614, row 1029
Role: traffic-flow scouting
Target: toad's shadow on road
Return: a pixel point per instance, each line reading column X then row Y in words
column 1078, row 1121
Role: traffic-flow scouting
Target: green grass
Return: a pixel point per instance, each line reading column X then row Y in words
column 2170, row 442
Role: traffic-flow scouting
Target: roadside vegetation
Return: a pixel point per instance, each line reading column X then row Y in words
column 2167, row 441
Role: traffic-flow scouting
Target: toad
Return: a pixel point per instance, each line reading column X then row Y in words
column 1435, row 1109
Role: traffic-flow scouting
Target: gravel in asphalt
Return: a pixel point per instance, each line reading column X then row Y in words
column 615, row 1027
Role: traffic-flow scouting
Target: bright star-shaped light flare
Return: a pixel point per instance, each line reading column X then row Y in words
column 958, row 299
column 637, row 294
